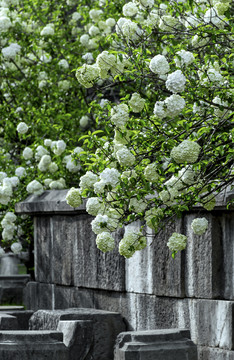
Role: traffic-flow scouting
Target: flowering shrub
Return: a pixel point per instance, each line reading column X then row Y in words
column 165, row 76
column 133, row 99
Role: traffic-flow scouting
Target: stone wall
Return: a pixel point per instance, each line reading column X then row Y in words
column 151, row 290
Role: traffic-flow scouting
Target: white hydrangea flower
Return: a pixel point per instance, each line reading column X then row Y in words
column 105, row 242
column 22, row 128
column 8, row 234
column 151, row 172
column 125, row 157
column 64, row 85
column 40, row 151
column 168, row 196
column 176, row 81
column 145, row 3
column 34, row 187
column 136, row 103
column 211, row 16
column 186, row 58
column 100, row 224
column 120, row 115
column 87, row 75
column 14, row 181
column 5, row 23
column 199, row 226
column 99, row 187
column 159, row 65
column 130, row 9
column 93, row 206
column 175, row 104
column 95, row 14
column 187, row 175
column 110, row 176
column 160, row 109
column 20, row 171
column 88, row 180
column 48, row 30
column 175, row 183
column 74, row 198
column 110, row 22
column 214, row 76
column 84, row 121
column 48, row 142
column 44, row 163
column 131, row 30
column 76, row 16
column 42, row 84
column 152, row 217
column 56, row 185
column 105, row 62
column 84, row 39
column 88, row 57
column 94, row 30
column 11, row 51
column 16, row 247
column 131, row 242
column 58, row 147
column 153, row 19
column 9, row 217
column 187, row 151
column 177, row 242
column 138, row 206
column 168, row 23
column 72, row 165
column 218, row 112
column 3, row 175
column 45, row 58
column 47, row 182
column 63, row 64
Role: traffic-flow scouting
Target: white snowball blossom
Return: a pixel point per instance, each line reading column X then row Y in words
column 176, row 81
column 136, row 103
column 186, row 151
column 131, row 242
column 199, row 226
column 174, row 105
column 130, row 9
column 159, row 65
column 27, row 153
column 105, row 241
column 11, row 51
column 20, row 171
column 185, row 58
column 16, row 247
column 120, row 115
column 74, row 198
column 58, row 147
column 22, row 128
column 110, row 176
column 88, row 180
column 177, row 242
column 151, row 172
column 34, row 187
column 125, row 157
column 93, row 206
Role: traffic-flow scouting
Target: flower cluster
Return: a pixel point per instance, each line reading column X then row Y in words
column 199, row 226
column 187, row 151
column 177, row 242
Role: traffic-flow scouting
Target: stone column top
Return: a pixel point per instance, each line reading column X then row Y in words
column 49, row 202
column 54, row 202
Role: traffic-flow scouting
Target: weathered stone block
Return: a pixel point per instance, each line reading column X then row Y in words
column 212, row 323
column 63, row 238
column 8, row 322
column 39, row 296
column 33, row 345
column 153, row 270
column 206, row 353
column 43, row 235
column 105, row 326
column 93, row 268
column 164, row 344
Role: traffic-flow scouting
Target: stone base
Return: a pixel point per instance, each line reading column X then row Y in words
column 170, row 344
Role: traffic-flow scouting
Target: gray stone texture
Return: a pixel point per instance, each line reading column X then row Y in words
column 171, row 344
column 151, row 290
column 105, row 327
column 12, row 287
